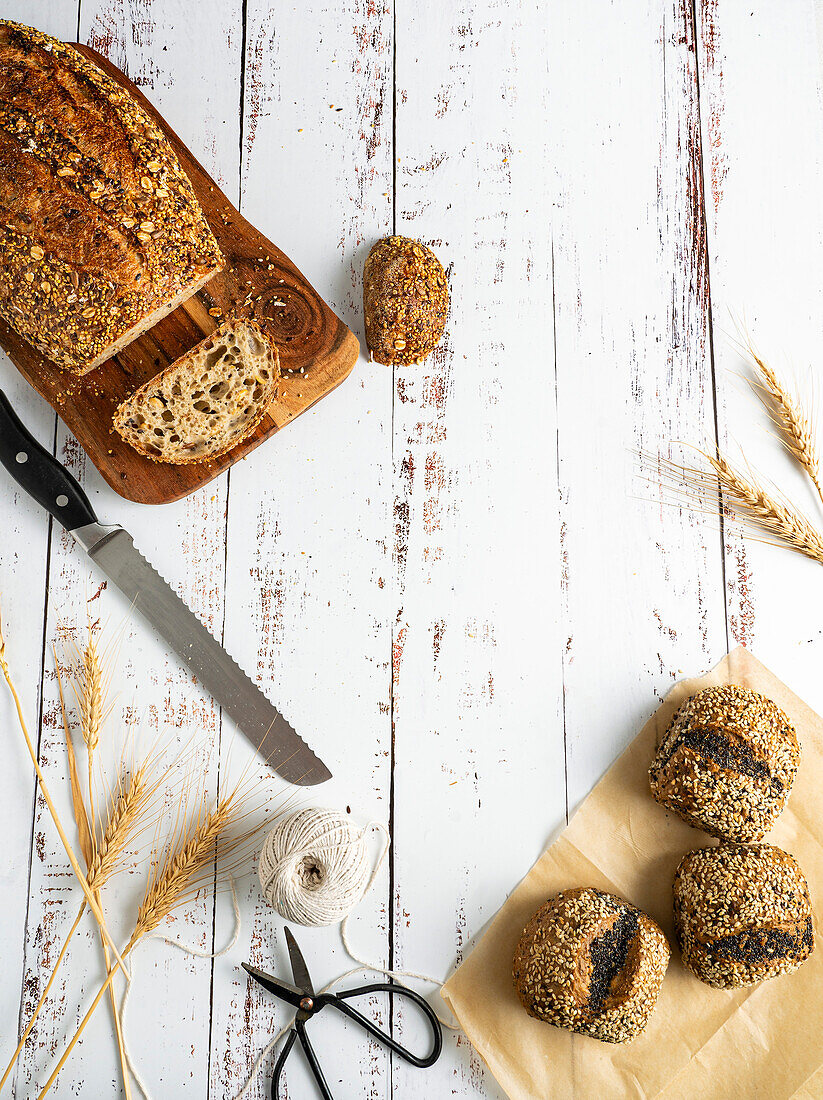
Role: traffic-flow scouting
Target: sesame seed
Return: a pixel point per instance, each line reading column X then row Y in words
column 71, row 332
column 742, row 914
column 591, row 963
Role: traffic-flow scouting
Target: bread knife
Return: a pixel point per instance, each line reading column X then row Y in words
column 112, row 550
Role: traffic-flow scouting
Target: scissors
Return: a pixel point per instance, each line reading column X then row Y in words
column 301, row 996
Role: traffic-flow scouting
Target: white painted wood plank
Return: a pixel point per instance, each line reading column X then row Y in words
column 23, row 565
column 573, row 139
column 57, row 17
column 479, row 775
column 630, row 314
column 761, row 88
column 186, row 542
column 643, row 600
column 309, row 572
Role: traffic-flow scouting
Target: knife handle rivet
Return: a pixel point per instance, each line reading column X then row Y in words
column 62, row 501
column 21, row 457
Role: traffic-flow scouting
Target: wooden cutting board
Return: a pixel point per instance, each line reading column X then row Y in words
column 317, row 351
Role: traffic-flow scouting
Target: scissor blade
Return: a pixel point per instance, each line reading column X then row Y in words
column 284, row 990
column 298, row 964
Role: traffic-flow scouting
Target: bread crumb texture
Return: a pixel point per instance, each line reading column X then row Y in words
column 742, row 913
column 727, row 763
column 591, row 963
column 405, row 301
column 100, row 230
column 207, row 401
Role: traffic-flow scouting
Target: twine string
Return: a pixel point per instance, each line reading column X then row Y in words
column 315, row 869
column 189, row 949
column 324, row 844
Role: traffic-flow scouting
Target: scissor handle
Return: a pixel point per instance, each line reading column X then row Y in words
column 338, row 1001
column 299, row 1032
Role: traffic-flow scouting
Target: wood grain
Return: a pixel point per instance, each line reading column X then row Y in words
column 310, row 594
column 477, row 679
column 467, row 601
column 186, row 541
column 317, row 351
column 762, row 130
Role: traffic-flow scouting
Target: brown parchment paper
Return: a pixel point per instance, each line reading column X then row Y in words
column 765, row 1041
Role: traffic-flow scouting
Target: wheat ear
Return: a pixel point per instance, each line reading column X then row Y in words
column 91, row 702
column 763, row 510
column 770, row 512
column 179, row 873
column 80, row 816
column 176, row 876
column 90, row 691
column 75, row 866
column 125, row 817
column 794, row 425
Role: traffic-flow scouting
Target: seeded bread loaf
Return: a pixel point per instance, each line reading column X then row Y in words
column 207, row 401
column 100, row 231
column 726, row 763
column 590, row 962
column 742, row 914
column 405, row 300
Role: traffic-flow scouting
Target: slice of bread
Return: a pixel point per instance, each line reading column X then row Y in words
column 207, row 401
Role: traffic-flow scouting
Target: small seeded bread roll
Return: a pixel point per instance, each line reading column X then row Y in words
column 741, row 914
column 727, row 763
column 405, row 300
column 591, row 963
column 207, row 401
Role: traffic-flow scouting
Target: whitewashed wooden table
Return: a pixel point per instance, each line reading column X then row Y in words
column 452, row 577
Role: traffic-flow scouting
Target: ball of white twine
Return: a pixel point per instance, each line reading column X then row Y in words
column 315, row 867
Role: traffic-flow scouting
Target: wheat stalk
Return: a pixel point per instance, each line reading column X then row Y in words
column 90, row 689
column 761, row 509
column 43, row 995
column 80, row 815
column 75, row 866
column 90, row 693
column 176, row 877
column 796, row 427
column 121, row 825
column 770, row 512
column 193, row 850
column 91, row 705
column 125, row 817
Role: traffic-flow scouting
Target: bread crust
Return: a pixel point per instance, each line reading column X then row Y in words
column 742, row 913
column 100, row 230
column 207, row 401
column 726, row 763
column 405, row 300
column 592, row 963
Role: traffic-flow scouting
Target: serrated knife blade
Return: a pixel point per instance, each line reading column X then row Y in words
column 112, row 550
column 114, row 553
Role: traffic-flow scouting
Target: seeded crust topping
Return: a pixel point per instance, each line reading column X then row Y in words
column 405, row 299
column 99, row 226
column 727, row 763
column 207, row 401
column 591, row 963
column 742, row 914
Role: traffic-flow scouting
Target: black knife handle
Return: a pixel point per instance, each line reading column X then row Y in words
column 39, row 472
